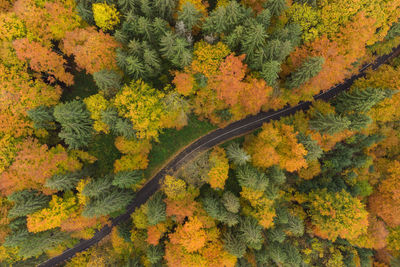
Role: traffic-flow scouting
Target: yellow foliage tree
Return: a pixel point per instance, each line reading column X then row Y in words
column 105, row 16
column 96, row 104
column 219, row 168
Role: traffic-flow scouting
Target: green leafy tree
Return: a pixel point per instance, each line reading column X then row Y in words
column 330, row 123
column 237, row 154
column 27, row 202
column 42, row 118
column 306, row 71
column 64, row 182
column 75, row 122
column 231, row 202
column 156, row 209
column 189, row 15
column 127, row 179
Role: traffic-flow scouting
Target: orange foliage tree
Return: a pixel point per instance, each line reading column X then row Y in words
column 42, row 59
column 34, row 164
column 93, row 50
column 276, row 144
column 385, row 201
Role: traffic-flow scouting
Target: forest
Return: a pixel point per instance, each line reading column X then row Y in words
column 96, row 96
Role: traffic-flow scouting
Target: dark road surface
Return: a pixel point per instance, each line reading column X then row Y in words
column 216, row 137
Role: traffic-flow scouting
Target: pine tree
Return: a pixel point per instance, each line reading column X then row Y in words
column 124, row 127
column 295, row 225
column 164, row 8
column 253, row 39
column 109, row 117
column 277, row 253
column 156, row 209
column 134, row 67
column 306, row 71
column 233, row 244
column 127, row 179
column 75, row 122
column 237, row 154
column 27, row 202
column 360, row 100
column 189, row 15
column 270, row 72
column 250, row 232
column 108, row 81
column 276, row 6
column 329, row 123
column 213, row 206
column 65, row 181
column 42, row 117
column 108, row 202
column 276, row 234
column 99, row 186
column 293, row 257
column 264, row 18
column 314, row 151
column 231, row 202
column 234, row 38
column 154, row 254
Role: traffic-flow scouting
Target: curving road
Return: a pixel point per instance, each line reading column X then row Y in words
column 214, row 138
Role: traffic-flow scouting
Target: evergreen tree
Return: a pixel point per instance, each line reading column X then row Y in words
column 108, row 81
column 154, row 254
column 293, row 257
column 164, row 8
column 213, row 206
column 176, row 49
column 99, row 186
column 156, row 209
column 64, row 182
column 295, row 225
column 306, row 71
column 27, row 202
column 250, row 232
column 109, row 117
column 264, row 18
column 84, row 10
column 269, row 72
column 314, row 151
column 250, row 177
column 75, row 122
column 124, row 128
column 276, row 234
column 359, row 121
column 127, row 179
column 134, row 67
column 276, row 175
column 253, row 39
column 42, row 117
column 233, row 244
column 234, row 38
column 126, row 5
column 237, row 154
column 360, row 100
column 277, row 253
column 276, row 7
column 189, row 15
column 329, row 123
column 111, row 201
column 262, row 257
column 231, row 202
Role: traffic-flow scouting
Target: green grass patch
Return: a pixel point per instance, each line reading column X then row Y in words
column 172, row 140
column 83, row 87
column 103, row 148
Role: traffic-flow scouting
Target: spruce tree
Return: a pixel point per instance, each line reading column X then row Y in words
column 250, row 232
column 295, row 225
column 359, row 121
column 276, row 175
column 250, row 177
column 98, row 186
column 360, row 100
column 269, row 72
column 329, row 123
column 314, row 151
column 276, row 234
column 215, row 209
column 109, row 117
column 154, row 254
column 156, row 209
column 64, row 181
column 135, row 67
column 189, row 15
column 277, row 253
column 124, row 128
column 42, row 118
column 306, row 71
column 27, row 202
column 276, row 6
column 108, row 81
column 264, row 18
column 127, row 179
column 293, row 257
column 253, row 39
column 76, row 124
column 237, row 154
column 231, row 202
column 164, row 8
column 233, row 244
column 110, row 201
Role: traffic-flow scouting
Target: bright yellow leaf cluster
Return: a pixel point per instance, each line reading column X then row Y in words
column 208, row 57
column 96, row 104
column 105, row 16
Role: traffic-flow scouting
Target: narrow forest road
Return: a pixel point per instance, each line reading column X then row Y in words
column 214, row 138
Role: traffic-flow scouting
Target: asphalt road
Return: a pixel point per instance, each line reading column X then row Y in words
column 214, row 138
